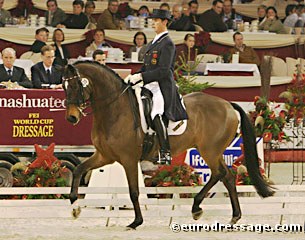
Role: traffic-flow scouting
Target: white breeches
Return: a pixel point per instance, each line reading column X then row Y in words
column 158, row 101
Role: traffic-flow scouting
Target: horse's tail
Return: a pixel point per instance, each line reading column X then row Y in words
column 251, row 157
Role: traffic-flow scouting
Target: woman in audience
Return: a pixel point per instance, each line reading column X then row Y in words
column 61, row 52
column 272, row 23
column 143, row 11
column 98, row 42
column 187, row 51
column 89, row 9
column 140, row 42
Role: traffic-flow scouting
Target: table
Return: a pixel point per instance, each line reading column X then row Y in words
column 230, row 69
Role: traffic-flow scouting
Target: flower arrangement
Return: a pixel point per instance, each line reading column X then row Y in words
column 240, row 170
column 174, row 175
column 295, row 97
column 202, row 40
column 44, row 171
column 268, row 124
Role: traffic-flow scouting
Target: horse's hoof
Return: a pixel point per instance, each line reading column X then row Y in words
column 72, row 198
column 197, row 215
column 130, row 228
column 234, row 220
column 76, row 212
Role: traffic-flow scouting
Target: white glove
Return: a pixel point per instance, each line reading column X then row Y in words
column 136, row 78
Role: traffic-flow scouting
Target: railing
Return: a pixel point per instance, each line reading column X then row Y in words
column 107, row 203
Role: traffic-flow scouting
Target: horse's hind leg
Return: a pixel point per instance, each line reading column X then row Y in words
column 229, row 182
column 218, row 172
column 92, row 162
column 133, row 183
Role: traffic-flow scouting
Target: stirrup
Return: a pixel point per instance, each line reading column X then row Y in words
column 164, row 158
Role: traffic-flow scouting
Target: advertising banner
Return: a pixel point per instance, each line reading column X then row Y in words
column 38, row 116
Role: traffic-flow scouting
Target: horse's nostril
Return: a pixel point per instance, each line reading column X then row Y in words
column 72, row 119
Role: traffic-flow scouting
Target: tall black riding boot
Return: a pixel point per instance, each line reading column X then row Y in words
column 165, row 154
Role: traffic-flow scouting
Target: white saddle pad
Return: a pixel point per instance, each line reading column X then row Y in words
column 174, row 128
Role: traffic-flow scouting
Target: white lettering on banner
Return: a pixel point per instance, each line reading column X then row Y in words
column 232, row 152
column 25, row 102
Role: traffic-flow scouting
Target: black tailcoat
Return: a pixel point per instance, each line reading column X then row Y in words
column 159, row 61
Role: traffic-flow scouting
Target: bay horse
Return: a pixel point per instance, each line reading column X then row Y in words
column 212, row 125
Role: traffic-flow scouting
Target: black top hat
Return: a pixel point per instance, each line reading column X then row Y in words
column 162, row 14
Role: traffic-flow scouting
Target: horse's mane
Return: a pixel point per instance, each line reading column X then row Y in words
column 131, row 95
column 104, row 67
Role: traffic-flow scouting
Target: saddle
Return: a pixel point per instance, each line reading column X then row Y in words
column 148, row 126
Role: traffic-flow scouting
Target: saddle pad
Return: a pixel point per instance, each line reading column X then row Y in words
column 174, row 128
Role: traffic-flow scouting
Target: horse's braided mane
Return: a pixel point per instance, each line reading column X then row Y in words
column 101, row 66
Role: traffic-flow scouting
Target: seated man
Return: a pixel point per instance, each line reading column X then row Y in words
column 4, row 14
column 108, row 19
column 44, row 72
column 99, row 56
column 78, row 20
column 211, row 20
column 54, row 15
column 229, row 14
column 41, row 36
column 9, row 72
column 180, row 21
column 246, row 54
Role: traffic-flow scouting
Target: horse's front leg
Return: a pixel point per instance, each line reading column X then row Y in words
column 133, row 183
column 92, row 162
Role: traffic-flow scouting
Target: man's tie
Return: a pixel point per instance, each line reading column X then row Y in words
column 9, row 73
column 49, row 76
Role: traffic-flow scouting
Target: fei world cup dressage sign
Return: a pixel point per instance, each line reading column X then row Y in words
column 232, row 152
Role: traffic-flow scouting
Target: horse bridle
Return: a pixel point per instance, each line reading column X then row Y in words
column 81, row 102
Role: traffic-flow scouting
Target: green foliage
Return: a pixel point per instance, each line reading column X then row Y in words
column 186, row 78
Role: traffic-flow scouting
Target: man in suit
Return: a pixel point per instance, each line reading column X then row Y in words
column 9, row 72
column 157, row 75
column 44, row 72
column 108, row 19
column 41, row 37
column 211, row 20
column 54, row 15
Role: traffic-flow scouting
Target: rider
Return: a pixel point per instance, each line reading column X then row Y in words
column 157, row 75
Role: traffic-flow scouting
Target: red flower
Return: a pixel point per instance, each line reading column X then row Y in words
column 267, row 136
column 280, row 136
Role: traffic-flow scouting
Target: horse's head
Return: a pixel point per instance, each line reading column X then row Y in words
column 76, row 95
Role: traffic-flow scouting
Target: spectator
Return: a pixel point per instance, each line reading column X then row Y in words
column 272, row 23
column 165, row 6
column 291, row 15
column 41, row 36
column 193, row 8
column 99, row 56
column 89, row 10
column 211, row 20
column 98, row 42
column 261, row 13
column 61, row 52
column 108, row 19
column 44, row 72
column 4, row 14
column 229, row 15
column 143, row 11
column 78, row 20
column 139, row 46
column 246, row 54
column 54, row 15
column 187, row 51
column 180, row 22
column 9, row 72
